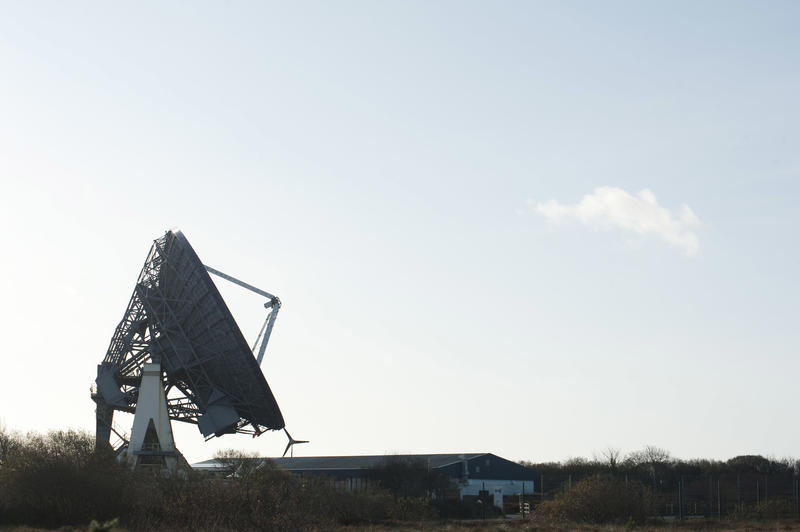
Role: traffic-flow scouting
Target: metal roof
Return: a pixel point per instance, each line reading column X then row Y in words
column 367, row 461
column 320, row 463
column 480, row 465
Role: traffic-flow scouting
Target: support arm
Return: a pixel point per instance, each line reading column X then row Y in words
column 234, row 280
column 272, row 303
column 276, row 305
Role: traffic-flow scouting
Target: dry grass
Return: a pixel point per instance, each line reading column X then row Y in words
column 533, row 525
column 539, row 526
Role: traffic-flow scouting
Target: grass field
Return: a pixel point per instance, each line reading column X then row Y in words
column 516, row 525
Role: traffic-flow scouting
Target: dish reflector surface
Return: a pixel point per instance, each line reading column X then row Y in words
column 177, row 315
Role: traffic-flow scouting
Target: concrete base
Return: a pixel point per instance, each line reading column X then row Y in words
column 152, row 445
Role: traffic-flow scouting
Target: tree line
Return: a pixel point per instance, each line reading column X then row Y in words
column 61, row 479
column 745, row 486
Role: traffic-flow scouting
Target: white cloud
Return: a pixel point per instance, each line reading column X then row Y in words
column 610, row 207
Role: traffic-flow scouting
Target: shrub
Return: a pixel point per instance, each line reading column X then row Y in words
column 59, row 479
column 408, row 477
column 599, row 499
column 770, row 509
column 412, row 509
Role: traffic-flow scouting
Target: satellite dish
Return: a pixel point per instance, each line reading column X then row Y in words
column 177, row 319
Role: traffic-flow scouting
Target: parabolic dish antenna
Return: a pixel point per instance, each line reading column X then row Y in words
column 176, row 318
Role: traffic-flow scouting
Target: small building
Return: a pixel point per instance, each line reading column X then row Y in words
column 472, row 472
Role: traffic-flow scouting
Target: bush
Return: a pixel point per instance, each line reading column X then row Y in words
column 770, row 509
column 599, row 499
column 408, row 477
column 412, row 509
column 348, row 508
column 59, row 479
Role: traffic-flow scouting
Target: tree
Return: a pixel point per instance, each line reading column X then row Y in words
column 653, row 460
column 9, row 442
column 610, row 458
column 58, row 479
column 408, row 477
column 240, row 464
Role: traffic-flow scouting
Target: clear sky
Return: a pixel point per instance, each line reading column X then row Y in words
column 537, row 229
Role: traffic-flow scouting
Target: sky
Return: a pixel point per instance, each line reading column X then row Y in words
column 537, row 229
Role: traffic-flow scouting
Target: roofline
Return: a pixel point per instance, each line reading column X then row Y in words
column 467, row 456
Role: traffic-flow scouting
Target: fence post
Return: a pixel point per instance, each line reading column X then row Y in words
column 795, row 494
column 739, row 492
column 710, row 510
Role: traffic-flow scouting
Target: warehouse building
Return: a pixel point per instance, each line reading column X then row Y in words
column 471, row 472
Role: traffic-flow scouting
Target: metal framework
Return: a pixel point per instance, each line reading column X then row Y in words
column 176, row 316
column 273, row 304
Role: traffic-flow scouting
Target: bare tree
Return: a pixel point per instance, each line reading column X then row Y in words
column 652, row 459
column 9, row 442
column 656, row 455
column 241, row 464
column 610, row 457
column 649, row 456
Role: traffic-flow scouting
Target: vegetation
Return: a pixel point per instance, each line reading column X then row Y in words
column 744, row 487
column 599, row 499
column 60, row 480
column 409, row 477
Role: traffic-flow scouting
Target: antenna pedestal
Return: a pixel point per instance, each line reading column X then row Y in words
column 152, row 444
